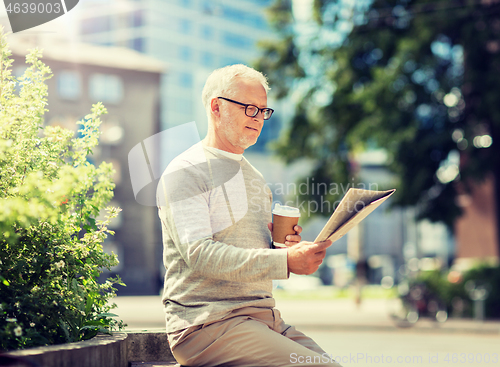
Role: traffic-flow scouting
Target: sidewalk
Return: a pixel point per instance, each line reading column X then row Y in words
column 145, row 313
column 371, row 315
column 368, row 325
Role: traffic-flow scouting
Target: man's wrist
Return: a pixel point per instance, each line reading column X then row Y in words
column 287, row 264
column 280, row 256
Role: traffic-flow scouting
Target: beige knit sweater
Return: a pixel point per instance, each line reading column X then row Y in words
column 214, row 212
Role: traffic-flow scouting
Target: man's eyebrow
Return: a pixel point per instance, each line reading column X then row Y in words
column 260, row 106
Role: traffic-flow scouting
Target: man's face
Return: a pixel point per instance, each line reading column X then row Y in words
column 236, row 130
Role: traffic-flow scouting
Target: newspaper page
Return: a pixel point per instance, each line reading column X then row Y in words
column 354, row 207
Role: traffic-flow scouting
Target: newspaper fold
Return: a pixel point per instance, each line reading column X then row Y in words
column 354, row 207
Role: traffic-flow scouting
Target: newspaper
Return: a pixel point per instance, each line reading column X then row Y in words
column 354, row 207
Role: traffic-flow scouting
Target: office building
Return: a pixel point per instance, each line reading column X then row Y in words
column 193, row 37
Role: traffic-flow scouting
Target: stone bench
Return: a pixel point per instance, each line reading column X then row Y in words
column 154, row 364
column 131, row 349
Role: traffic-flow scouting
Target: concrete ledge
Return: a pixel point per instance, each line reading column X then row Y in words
column 148, row 345
column 146, row 348
column 101, row 351
column 154, row 364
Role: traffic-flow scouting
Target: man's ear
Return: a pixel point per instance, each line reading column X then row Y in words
column 214, row 106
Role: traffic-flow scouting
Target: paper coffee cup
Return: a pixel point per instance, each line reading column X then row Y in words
column 284, row 219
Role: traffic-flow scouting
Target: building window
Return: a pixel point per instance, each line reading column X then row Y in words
column 236, row 40
column 185, row 26
column 207, row 7
column 18, row 72
column 137, row 18
column 207, row 32
column 185, row 3
column 105, row 43
column 138, row 44
column 185, row 53
column 260, row 2
column 96, row 25
column 207, row 59
column 185, row 80
column 243, row 17
column 106, row 88
column 69, row 84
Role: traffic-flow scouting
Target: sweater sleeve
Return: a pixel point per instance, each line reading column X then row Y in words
column 188, row 211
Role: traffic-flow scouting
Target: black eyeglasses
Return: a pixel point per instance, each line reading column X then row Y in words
column 251, row 110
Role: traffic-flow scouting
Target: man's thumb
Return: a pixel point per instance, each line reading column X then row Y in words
column 323, row 245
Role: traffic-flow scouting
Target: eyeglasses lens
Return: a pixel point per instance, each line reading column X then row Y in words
column 252, row 111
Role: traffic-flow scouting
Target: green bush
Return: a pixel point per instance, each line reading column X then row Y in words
column 437, row 284
column 50, row 241
column 480, row 276
column 488, row 277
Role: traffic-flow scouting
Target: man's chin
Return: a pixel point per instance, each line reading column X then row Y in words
column 248, row 143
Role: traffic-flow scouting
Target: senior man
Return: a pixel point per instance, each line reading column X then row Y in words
column 215, row 210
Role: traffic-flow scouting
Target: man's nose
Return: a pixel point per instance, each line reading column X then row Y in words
column 259, row 116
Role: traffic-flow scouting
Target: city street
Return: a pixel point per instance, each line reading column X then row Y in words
column 407, row 348
column 363, row 336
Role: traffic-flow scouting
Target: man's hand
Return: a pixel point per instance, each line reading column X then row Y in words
column 305, row 258
column 291, row 239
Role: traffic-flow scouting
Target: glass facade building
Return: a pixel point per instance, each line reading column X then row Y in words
column 193, row 37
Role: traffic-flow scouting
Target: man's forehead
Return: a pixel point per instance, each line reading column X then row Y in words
column 249, row 90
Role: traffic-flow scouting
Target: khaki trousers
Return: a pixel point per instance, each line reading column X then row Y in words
column 251, row 337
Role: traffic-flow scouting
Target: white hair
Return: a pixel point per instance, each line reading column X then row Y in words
column 220, row 82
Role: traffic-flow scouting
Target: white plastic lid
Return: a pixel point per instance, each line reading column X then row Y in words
column 286, row 211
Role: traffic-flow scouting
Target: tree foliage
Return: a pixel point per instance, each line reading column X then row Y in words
column 50, row 196
column 418, row 78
